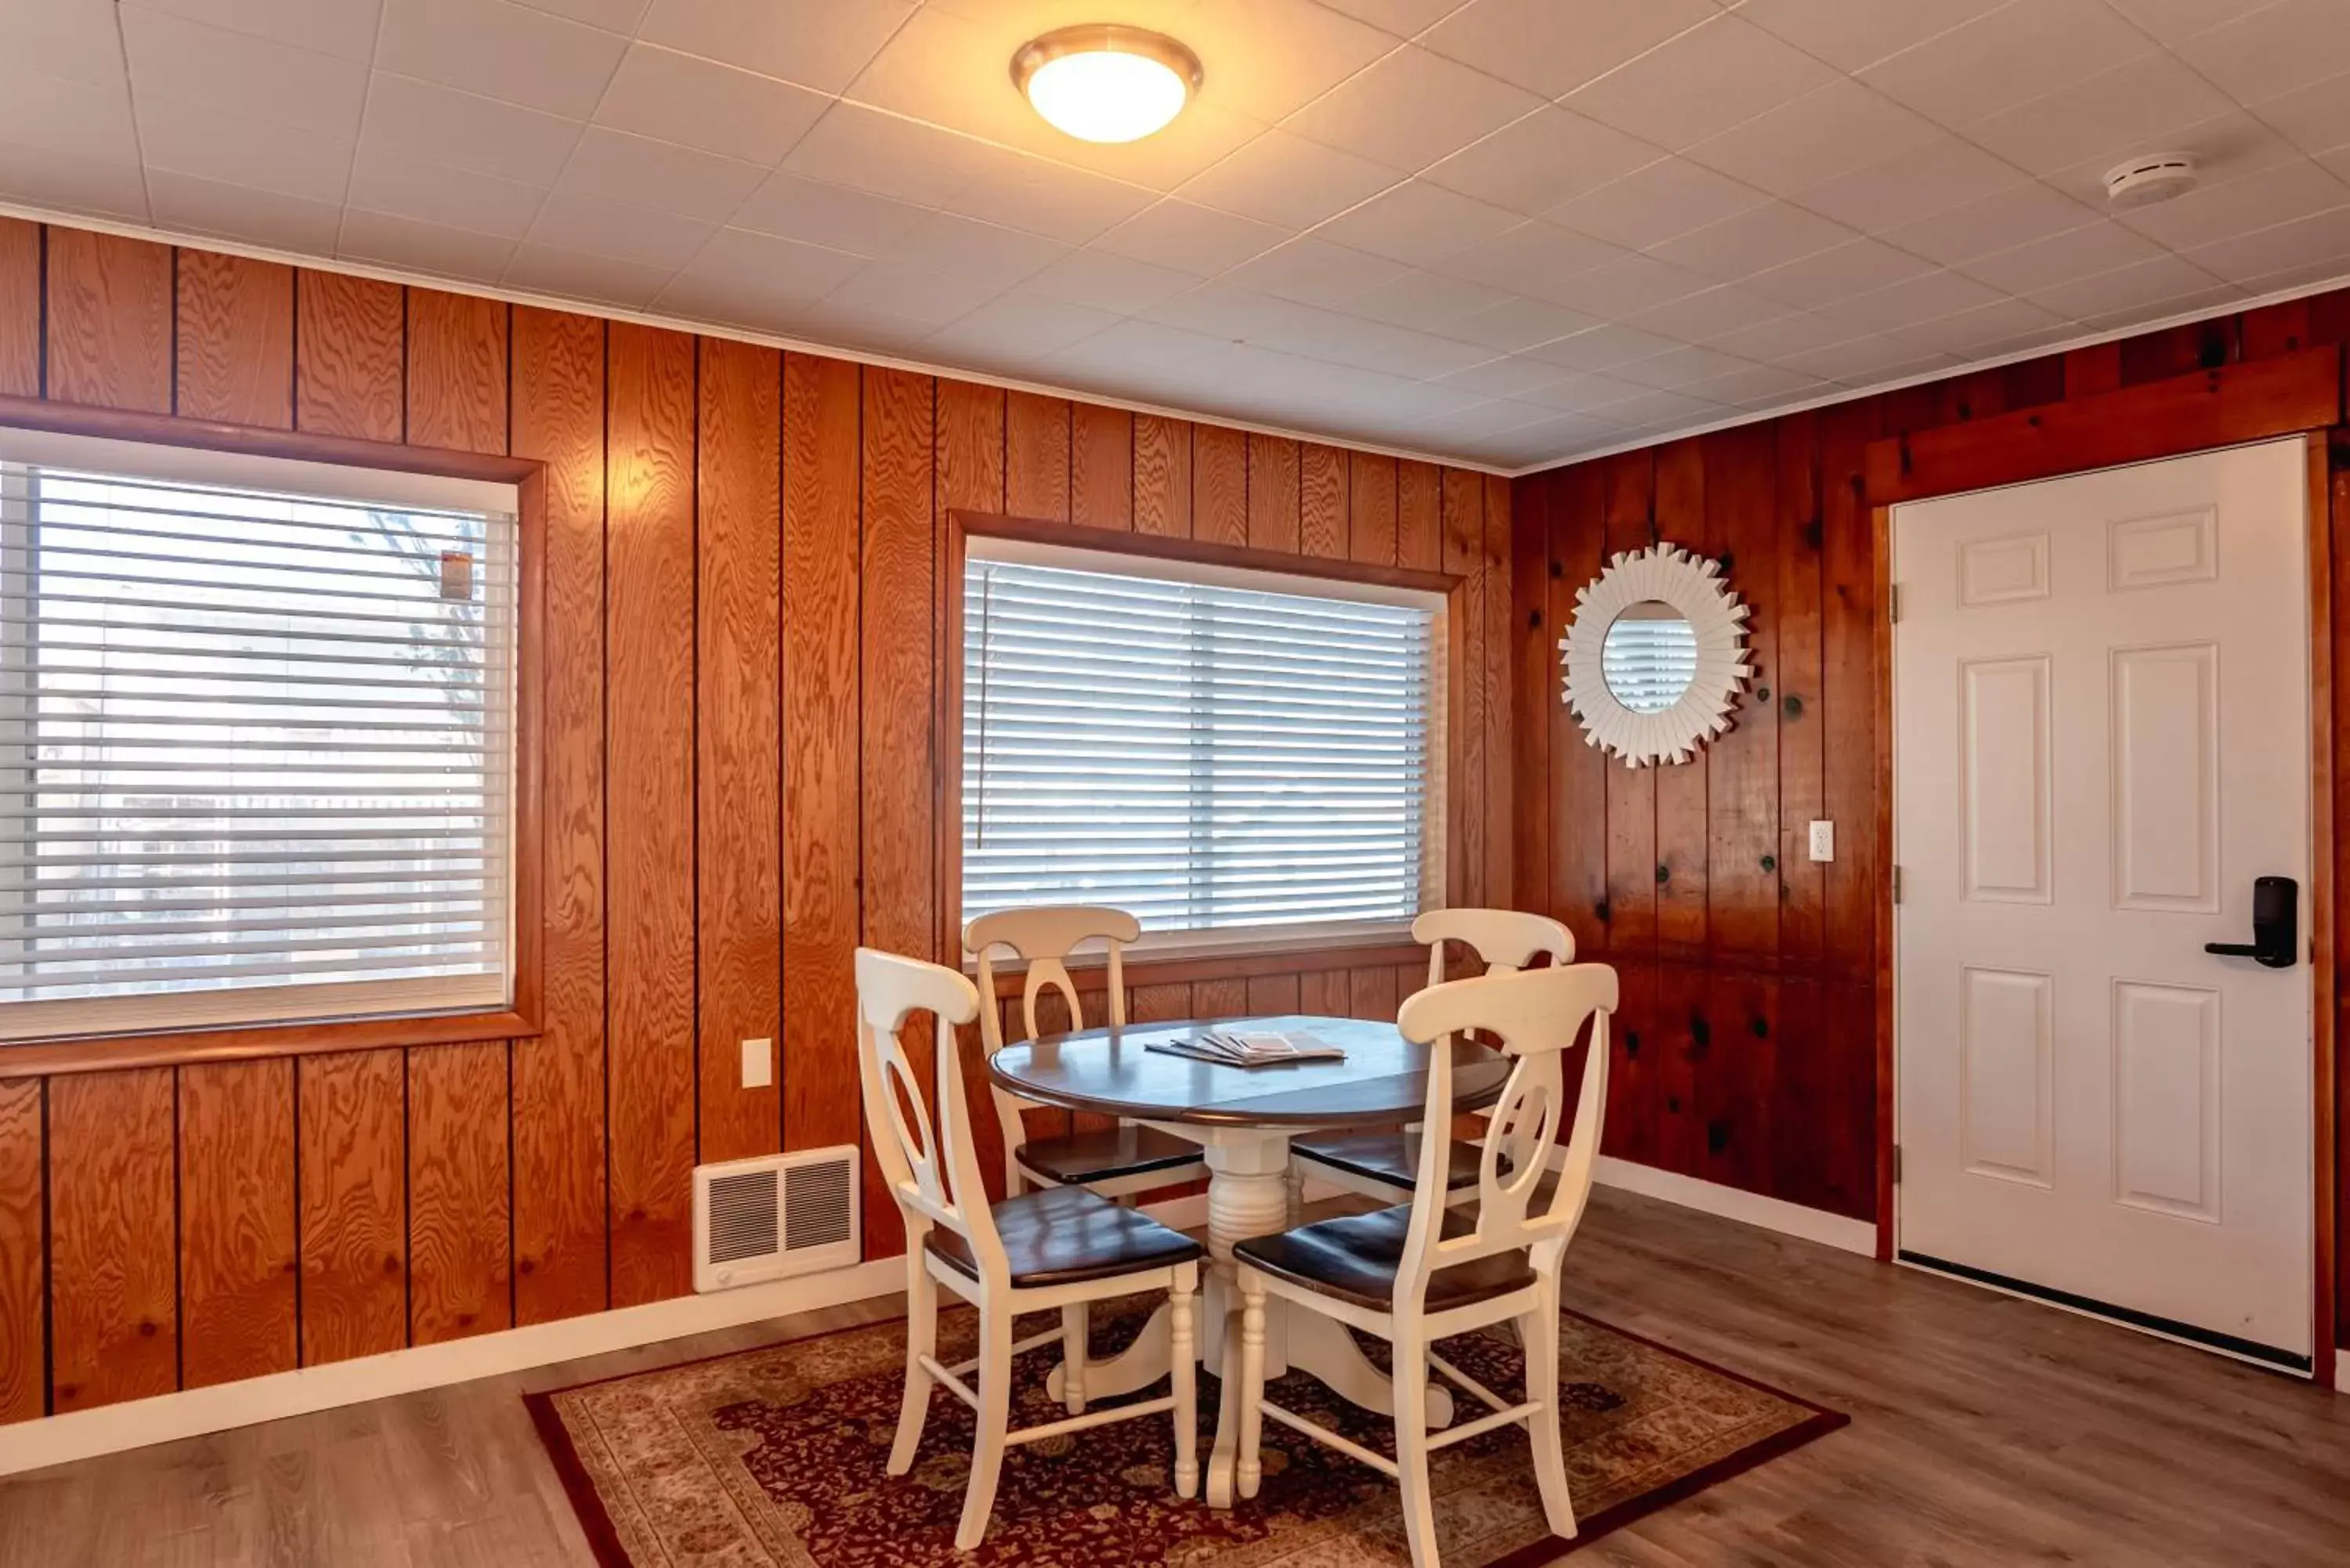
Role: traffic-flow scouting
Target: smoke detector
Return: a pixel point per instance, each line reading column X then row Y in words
column 2157, row 177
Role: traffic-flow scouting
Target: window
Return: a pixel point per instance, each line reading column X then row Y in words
column 1234, row 755
column 257, row 739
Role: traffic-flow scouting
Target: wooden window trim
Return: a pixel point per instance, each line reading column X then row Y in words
column 963, row 526
column 99, row 1052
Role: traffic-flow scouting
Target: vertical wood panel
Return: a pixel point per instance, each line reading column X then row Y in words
column 113, row 1310
column 1681, row 519
column 1273, row 493
column 110, row 321
column 1493, row 668
column 971, row 446
column 459, row 1185
column 456, row 371
column 738, row 671
column 20, row 318
column 350, row 356
column 1219, row 998
column 354, row 1176
column 1420, row 526
column 1101, row 467
column 1576, row 529
column 1741, row 766
column 1371, row 993
column 1630, row 483
column 1849, row 689
column 236, row 339
column 649, row 862
column 896, row 657
column 1322, row 523
column 821, row 765
column 1162, row 475
column 558, row 1076
column 23, row 1282
column 1037, row 456
column 1532, row 688
column 1463, row 521
column 1802, row 756
column 1371, row 509
column 1324, row 993
column 238, row 1255
column 1219, row 485
column 1271, row 995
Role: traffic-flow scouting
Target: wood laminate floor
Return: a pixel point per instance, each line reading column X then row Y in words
column 1985, row 1430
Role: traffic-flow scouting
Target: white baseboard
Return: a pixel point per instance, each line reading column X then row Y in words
column 2342, row 1369
column 1735, row 1203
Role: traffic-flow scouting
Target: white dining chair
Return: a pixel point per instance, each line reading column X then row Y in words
column 1385, row 1165
column 1039, row 1252
column 1428, row 1269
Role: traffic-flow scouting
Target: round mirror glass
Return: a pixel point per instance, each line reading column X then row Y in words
column 1649, row 657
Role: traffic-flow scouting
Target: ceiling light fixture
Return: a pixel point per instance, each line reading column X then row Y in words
column 1102, row 82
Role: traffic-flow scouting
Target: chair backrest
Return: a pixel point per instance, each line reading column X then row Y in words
column 1043, row 937
column 1535, row 1014
column 933, row 1174
column 1507, row 940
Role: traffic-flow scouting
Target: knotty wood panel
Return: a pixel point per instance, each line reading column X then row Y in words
column 1101, row 466
column 1272, row 496
column 1162, row 475
column 1848, row 689
column 20, row 309
column 1219, row 480
column 648, row 861
column 1802, row 757
column 350, row 356
column 738, row 672
column 896, row 667
column 456, row 371
column 558, row 1076
column 1371, row 509
column 238, row 1255
column 1681, row 831
column 1491, row 669
column 1532, row 652
column 460, row 1278
column 113, row 1308
column 1741, row 766
column 109, row 321
column 1419, row 523
column 1578, row 772
column 1461, row 498
column 354, row 1203
column 1629, row 481
column 23, row 1281
column 236, row 339
column 1037, row 456
column 1322, row 520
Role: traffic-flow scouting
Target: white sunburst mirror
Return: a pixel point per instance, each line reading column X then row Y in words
column 1655, row 654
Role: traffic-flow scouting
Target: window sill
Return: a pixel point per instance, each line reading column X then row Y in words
column 96, row 1054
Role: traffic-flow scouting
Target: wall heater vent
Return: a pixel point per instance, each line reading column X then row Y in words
column 765, row 1219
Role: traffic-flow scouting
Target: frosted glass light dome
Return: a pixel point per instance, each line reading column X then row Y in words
column 1106, row 83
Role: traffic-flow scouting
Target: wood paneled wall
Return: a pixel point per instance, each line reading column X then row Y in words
column 1748, row 1044
column 741, row 698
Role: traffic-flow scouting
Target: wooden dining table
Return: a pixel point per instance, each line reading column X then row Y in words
column 1242, row 1119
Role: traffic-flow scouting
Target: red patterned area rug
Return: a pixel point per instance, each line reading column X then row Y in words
column 775, row 1457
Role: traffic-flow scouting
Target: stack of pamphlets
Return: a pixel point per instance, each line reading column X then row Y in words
column 1240, row 1047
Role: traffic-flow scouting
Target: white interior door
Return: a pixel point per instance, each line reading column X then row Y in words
column 2101, row 710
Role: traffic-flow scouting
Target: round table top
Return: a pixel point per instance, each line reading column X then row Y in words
column 1383, row 1080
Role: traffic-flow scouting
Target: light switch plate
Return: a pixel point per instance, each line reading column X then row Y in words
column 758, row 1063
column 1823, row 841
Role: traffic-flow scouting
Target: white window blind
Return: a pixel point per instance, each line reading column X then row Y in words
column 1649, row 658
column 1216, row 757
column 255, row 741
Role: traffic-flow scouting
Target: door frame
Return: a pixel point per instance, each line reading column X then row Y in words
column 2293, row 394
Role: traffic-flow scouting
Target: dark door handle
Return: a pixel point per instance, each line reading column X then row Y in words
column 2276, row 925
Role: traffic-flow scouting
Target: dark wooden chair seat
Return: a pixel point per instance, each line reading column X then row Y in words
column 1392, row 1159
column 1107, row 1154
column 1064, row 1235
column 1355, row 1259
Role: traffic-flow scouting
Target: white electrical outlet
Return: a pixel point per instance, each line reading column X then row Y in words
column 1823, row 841
column 758, row 1063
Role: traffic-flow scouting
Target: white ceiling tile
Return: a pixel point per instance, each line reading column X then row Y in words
column 1172, row 356
column 1532, row 259
column 1418, row 223
column 1716, row 75
column 1623, row 287
column 2315, row 117
column 2272, row 49
column 2015, row 216
column 1554, row 46
column 612, row 16
column 1709, row 313
column 68, row 182
column 425, row 247
column 1263, row 59
column 2100, row 246
column 1653, row 204
column 987, row 254
column 1505, row 377
column 1680, row 368
column 1920, row 299
column 2139, row 107
column 1601, row 347
column 1756, row 384
column 2170, row 21
column 1678, row 406
column 1518, row 323
column 747, row 278
column 1190, row 238
column 838, row 320
column 1858, row 267
column 701, row 104
column 887, row 155
column 1833, row 129
column 2278, row 195
column 420, row 119
column 2019, row 52
column 658, row 176
column 1792, row 333
column 916, row 293
column 1543, row 160
column 1402, row 17
column 344, row 27
column 1582, row 389
column 820, row 43
column 2226, row 147
column 1425, row 301
column 1314, row 271
column 1117, row 285
column 819, row 214
column 1754, row 241
column 1024, row 192
column 1410, row 109
column 185, row 202
column 2157, row 280
column 621, row 230
column 1284, row 179
column 573, row 274
column 2321, row 238
column 89, row 120
column 73, row 38
column 1008, row 331
column 1849, row 34
column 262, row 80
column 457, row 198
column 1862, row 360
column 500, row 50
column 1979, row 330
column 1931, row 178
column 189, row 137
column 2217, row 297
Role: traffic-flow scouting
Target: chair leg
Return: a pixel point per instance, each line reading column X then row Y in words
column 1248, row 1471
column 921, row 1339
column 1076, row 1339
column 1539, row 1331
column 1411, row 1448
column 995, row 1421
column 1184, row 1373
